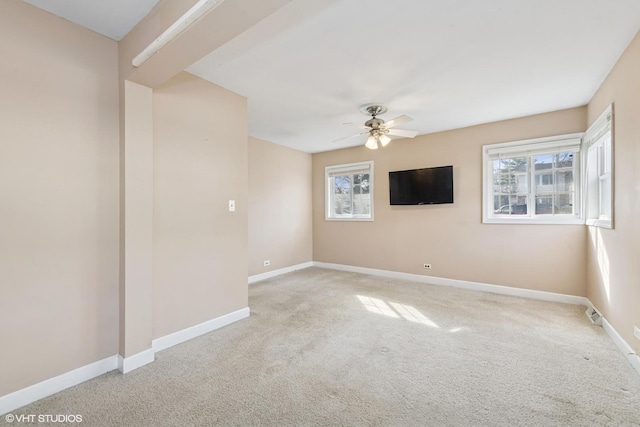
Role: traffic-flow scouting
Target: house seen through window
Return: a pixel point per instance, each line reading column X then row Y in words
column 533, row 181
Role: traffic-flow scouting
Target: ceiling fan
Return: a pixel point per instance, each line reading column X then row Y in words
column 378, row 129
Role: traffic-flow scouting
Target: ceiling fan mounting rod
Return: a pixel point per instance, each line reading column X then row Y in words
column 374, row 110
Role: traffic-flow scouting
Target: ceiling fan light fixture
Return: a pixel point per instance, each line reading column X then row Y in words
column 372, row 143
column 377, row 129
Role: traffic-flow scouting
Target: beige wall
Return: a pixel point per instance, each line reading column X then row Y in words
column 613, row 268
column 452, row 237
column 279, row 206
column 200, row 163
column 59, row 181
column 59, row 204
column 136, row 218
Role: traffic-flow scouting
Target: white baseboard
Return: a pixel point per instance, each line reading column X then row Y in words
column 195, row 331
column 475, row 286
column 54, row 385
column 274, row 273
column 128, row 364
column 624, row 346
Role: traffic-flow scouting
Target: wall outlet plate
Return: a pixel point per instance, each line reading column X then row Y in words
column 427, row 266
column 266, row 263
column 636, row 332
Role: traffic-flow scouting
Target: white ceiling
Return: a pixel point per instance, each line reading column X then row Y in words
column 111, row 18
column 447, row 63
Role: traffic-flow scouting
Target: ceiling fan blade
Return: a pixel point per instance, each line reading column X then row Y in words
column 402, row 132
column 398, row 121
column 350, row 136
column 355, row 125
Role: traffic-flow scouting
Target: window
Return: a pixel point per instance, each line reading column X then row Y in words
column 532, row 182
column 349, row 191
column 598, row 143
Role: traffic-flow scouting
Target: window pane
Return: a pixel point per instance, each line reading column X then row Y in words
column 512, row 178
column 544, row 204
column 342, row 184
column 564, row 203
column 606, row 146
column 363, row 180
column 342, row 194
column 514, row 164
column 564, row 181
column 504, row 184
column 510, row 186
column 564, row 160
column 605, row 196
column 519, row 208
column 499, row 202
column 361, row 204
column 496, row 166
column 521, row 183
column 544, row 182
column 554, row 183
column 543, row 162
column 510, row 205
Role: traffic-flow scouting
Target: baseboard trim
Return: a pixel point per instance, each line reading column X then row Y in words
column 622, row 345
column 56, row 384
column 179, row 337
column 463, row 284
column 62, row 382
column 128, row 364
column 280, row 271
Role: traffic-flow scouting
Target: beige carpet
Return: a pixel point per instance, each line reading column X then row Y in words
column 324, row 347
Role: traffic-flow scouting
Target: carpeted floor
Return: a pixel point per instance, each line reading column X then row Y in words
column 324, row 347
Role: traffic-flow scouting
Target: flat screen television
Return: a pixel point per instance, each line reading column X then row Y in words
column 427, row 186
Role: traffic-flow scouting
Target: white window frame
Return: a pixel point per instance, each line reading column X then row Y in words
column 528, row 148
column 349, row 168
column 599, row 171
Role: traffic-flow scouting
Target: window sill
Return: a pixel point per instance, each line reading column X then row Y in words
column 601, row 223
column 539, row 221
column 348, row 219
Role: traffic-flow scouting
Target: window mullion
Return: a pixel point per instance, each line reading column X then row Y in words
column 351, row 193
column 531, row 188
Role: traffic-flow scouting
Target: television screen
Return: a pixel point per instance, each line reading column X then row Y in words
column 428, row 186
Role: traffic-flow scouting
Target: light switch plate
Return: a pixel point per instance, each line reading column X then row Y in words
column 232, row 205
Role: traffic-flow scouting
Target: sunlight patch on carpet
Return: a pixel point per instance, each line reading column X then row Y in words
column 396, row 310
column 378, row 306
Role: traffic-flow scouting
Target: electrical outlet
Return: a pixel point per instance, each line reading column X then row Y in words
column 636, row 332
column 267, row 263
column 427, row 266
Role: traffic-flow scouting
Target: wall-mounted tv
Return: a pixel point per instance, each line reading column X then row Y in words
column 427, row 186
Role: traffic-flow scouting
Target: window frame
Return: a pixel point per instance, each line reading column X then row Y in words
column 594, row 139
column 529, row 148
column 347, row 168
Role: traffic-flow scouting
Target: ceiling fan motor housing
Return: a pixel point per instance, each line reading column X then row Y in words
column 374, row 123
